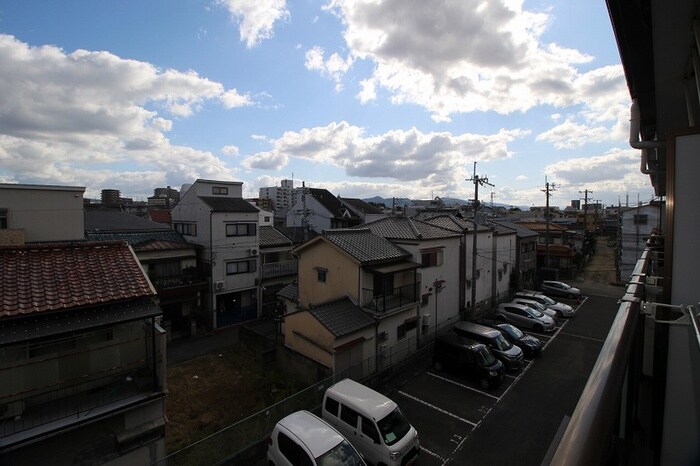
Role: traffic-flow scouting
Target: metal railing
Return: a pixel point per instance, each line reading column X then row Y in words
column 279, row 269
column 391, row 299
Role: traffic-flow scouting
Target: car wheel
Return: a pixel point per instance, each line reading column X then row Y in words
column 501, row 318
column 437, row 366
column 537, row 328
column 484, row 383
column 572, row 296
column 560, row 314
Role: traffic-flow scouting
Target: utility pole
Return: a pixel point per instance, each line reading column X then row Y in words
column 585, row 209
column 547, row 190
column 477, row 181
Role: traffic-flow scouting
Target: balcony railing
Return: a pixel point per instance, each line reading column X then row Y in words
column 168, row 282
column 398, row 297
column 617, row 418
column 279, row 269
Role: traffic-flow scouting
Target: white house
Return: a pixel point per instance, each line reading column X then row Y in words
column 214, row 215
column 319, row 210
column 637, row 225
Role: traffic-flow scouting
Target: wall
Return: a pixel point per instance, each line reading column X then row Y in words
column 342, row 278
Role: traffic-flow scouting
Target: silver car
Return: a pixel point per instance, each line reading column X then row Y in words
column 562, row 310
column 535, row 305
column 560, row 289
column 524, row 316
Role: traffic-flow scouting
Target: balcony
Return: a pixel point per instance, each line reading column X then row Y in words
column 640, row 403
column 391, row 299
column 279, row 269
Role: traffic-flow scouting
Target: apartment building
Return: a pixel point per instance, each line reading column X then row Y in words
column 213, row 215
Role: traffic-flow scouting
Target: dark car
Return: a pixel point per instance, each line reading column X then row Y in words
column 556, row 288
column 510, row 355
column 530, row 345
column 468, row 357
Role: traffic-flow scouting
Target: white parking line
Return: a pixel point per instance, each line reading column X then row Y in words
column 582, row 337
column 433, row 454
column 444, row 379
column 473, row 424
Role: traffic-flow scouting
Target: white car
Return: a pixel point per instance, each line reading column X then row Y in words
column 303, row 438
column 562, row 310
column 524, row 316
column 535, row 305
column 560, row 289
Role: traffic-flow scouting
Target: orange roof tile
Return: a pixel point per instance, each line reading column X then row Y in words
column 61, row 276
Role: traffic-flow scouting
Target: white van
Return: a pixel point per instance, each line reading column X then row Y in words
column 372, row 422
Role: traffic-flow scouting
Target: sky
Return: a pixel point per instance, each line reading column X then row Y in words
column 390, row 98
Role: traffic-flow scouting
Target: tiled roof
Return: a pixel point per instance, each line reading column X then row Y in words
column 160, row 215
column 290, row 292
column 541, row 226
column 270, row 237
column 358, row 205
column 408, row 229
column 365, row 246
column 297, row 235
column 100, row 219
column 520, row 230
column 229, row 204
column 136, row 237
column 63, row 276
column 330, row 202
column 341, row 316
column 500, row 228
column 158, row 245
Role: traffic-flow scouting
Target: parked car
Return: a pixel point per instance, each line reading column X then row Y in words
column 535, row 305
column 560, row 289
column 375, row 424
column 468, row 357
column 524, row 316
column 530, row 345
column 303, row 438
column 511, row 356
column 562, row 310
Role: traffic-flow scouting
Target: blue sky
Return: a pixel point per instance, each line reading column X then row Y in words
column 363, row 98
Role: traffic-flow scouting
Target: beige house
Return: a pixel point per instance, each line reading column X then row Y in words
column 358, row 300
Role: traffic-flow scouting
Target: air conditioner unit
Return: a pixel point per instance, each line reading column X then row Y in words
column 219, row 285
column 253, row 252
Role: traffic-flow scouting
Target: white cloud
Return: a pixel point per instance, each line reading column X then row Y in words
column 334, row 67
column 256, row 19
column 80, row 117
column 460, row 56
column 426, row 160
column 521, row 178
column 230, row 150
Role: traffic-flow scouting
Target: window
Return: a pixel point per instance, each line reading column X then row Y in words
column 267, row 218
column 321, row 274
column 348, row 415
column 369, row 429
column 411, row 324
column 431, row 257
column 3, row 219
column 500, row 275
column 221, row 190
column 189, row 229
column 246, row 266
column 401, row 331
column 332, row 406
column 240, row 229
column 641, row 219
column 293, row 452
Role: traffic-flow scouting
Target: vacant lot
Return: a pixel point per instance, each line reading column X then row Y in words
column 219, row 389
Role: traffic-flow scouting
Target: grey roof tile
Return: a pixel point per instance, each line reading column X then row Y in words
column 409, row 229
column 270, row 237
column 365, row 246
column 228, row 204
column 341, row 316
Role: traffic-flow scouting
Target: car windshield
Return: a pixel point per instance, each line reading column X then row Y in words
column 484, row 357
column 394, row 427
column 534, row 312
column 342, row 454
column 501, row 343
column 512, row 331
column 548, row 300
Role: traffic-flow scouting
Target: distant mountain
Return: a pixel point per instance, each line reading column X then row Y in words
column 449, row 201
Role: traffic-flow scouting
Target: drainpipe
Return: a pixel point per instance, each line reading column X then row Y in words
column 636, row 143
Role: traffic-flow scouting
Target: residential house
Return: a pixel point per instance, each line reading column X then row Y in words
column 556, row 248
column 363, row 209
column 214, row 215
column 318, row 210
column 278, row 266
column 348, row 274
column 638, row 224
column 477, row 266
column 34, row 213
column 82, row 356
column 525, row 267
column 169, row 261
column 438, row 251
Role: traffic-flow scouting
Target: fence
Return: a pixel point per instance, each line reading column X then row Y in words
column 245, row 441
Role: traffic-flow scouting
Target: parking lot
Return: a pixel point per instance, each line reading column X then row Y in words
column 461, row 423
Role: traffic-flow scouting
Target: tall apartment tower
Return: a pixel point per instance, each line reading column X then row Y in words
column 282, row 197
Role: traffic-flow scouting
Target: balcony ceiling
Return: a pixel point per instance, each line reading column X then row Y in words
column 655, row 38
